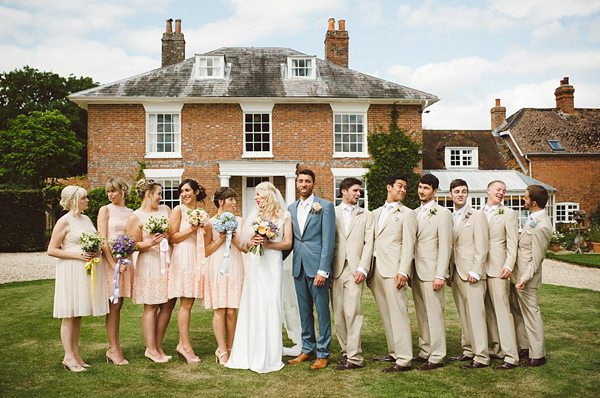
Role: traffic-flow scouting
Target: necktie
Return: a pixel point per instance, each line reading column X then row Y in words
column 384, row 215
column 457, row 215
column 302, row 215
column 347, row 216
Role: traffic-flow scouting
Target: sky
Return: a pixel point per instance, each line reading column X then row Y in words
column 467, row 53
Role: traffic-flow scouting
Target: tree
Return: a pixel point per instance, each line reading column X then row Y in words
column 26, row 90
column 37, row 147
column 393, row 152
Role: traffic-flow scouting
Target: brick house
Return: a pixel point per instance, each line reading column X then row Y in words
column 238, row 116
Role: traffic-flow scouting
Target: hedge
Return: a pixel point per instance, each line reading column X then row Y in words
column 22, row 221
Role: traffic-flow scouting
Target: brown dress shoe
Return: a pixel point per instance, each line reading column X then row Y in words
column 343, row 360
column 430, row 366
column 524, row 353
column 320, row 363
column 388, row 358
column 494, row 356
column 461, row 358
column 302, row 358
column 474, row 365
column 396, row 368
column 419, row 359
column 505, row 366
column 534, row 362
column 347, row 366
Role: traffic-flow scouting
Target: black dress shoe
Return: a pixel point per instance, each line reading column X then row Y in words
column 430, row 365
column 347, row 366
column 505, row 366
column 474, row 365
column 534, row 362
column 461, row 358
column 396, row 368
column 419, row 359
column 389, row 358
column 524, row 353
column 343, row 360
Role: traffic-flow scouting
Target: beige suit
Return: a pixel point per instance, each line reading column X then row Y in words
column 531, row 251
column 503, row 232
column 394, row 247
column 470, row 255
column 432, row 256
column 353, row 249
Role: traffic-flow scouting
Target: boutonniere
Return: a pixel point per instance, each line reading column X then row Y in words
column 316, row 208
column 468, row 214
column 398, row 210
column 500, row 211
column 532, row 223
column 433, row 212
column 360, row 210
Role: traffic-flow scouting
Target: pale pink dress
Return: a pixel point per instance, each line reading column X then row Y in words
column 149, row 283
column 73, row 286
column 117, row 219
column 185, row 273
column 224, row 291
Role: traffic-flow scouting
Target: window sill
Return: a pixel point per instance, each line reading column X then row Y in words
column 250, row 155
column 163, row 155
column 351, row 155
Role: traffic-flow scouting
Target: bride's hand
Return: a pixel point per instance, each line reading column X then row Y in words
column 257, row 240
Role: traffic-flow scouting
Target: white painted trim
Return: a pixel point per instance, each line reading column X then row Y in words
column 360, row 155
column 474, row 157
column 164, row 173
column 252, row 155
column 257, row 168
column 163, row 155
column 196, row 67
column 313, row 69
column 364, row 154
column 257, row 106
column 349, row 172
column 350, row 107
column 163, row 107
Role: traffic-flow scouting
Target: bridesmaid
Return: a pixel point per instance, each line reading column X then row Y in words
column 112, row 219
column 223, row 292
column 73, row 286
column 185, row 272
column 150, row 278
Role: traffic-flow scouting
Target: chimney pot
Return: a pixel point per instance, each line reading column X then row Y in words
column 497, row 101
column 331, row 24
column 342, row 24
column 564, row 81
column 498, row 115
column 169, row 25
column 178, row 26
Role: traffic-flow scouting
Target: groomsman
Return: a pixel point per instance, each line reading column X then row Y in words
column 467, row 273
column 432, row 255
column 527, row 278
column 350, row 265
column 395, row 234
column 503, row 232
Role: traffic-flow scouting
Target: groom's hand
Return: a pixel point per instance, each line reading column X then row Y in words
column 319, row 280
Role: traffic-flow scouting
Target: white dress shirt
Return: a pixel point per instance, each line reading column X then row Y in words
column 489, row 211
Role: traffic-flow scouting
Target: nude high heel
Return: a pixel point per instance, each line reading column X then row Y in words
column 109, row 359
column 74, row 368
column 184, row 357
column 156, row 360
column 221, row 357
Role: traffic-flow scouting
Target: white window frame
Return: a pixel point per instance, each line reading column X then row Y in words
column 350, row 109
column 169, row 179
column 463, row 152
column 312, row 70
column 202, row 67
column 567, row 208
column 257, row 108
column 340, row 173
column 162, row 109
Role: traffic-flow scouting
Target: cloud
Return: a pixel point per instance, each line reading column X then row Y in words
column 545, row 10
column 371, row 12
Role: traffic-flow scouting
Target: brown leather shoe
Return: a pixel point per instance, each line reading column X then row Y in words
column 419, row 359
column 505, row 366
column 396, row 368
column 494, row 356
column 430, row 366
column 302, row 358
column 347, row 366
column 343, row 360
column 534, row 362
column 474, row 365
column 461, row 358
column 320, row 363
column 524, row 353
column 388, row 358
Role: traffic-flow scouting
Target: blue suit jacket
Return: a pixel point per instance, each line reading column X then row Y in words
column 313, row 249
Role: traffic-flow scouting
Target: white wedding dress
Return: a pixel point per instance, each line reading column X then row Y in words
column 258, row 342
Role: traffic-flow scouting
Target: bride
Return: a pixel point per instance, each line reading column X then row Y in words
column 257, row 344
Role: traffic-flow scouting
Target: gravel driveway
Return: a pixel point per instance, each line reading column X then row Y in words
column 31, row 266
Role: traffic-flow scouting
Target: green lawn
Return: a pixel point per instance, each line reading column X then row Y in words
column 588, row 260
column 31, row 356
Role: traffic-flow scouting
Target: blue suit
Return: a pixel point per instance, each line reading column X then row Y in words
column 313, row 251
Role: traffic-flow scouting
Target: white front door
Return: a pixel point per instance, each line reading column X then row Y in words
column 248, row 185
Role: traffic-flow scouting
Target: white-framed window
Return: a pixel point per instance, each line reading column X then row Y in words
column 477, row 202
column 163, row 130
column 462, row 158
column 209, row 67
column 258, row 135
column 350, row 130
column 169, row 179
column 564, row 212
column 339, row 174
column 302, row 67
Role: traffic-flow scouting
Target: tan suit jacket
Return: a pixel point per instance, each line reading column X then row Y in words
column 532, row 245
column 395, row 241
column 471, row 243
column 434, row 243
column 357, row 245
column 503, row 232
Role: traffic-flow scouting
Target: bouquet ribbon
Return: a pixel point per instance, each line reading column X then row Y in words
column 90, row 266
column 224, row 270
column 164, row 256
column 114, row 298
column 200, row 251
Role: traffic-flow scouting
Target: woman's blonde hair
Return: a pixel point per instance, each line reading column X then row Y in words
column 118, row 184
column 271, row 207
column 144, row 186
column 72, row 193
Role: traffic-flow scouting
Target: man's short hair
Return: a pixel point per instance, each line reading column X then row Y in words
column 458, row 183
column 538, row 194
column 496, row 181
column 308, row 172
column 391, row 180
column 430, row 179
column 347, row 183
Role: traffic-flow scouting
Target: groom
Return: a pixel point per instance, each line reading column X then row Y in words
column 313, row 221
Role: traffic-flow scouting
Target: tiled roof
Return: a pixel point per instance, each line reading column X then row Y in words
column 491, row 150
column 578, row 132
column 479, row 179
column 254, row 73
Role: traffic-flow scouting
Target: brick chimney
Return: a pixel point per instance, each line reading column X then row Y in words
column 173, row 44
column 498, row 115
column 336, row 43
column 565, row 100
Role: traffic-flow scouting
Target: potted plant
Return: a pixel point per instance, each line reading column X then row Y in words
column 594, row 236
column 556, row 240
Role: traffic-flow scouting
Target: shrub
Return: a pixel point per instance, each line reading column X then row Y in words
column 22, row 221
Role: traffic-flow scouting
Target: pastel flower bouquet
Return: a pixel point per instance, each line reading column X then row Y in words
column 91, row 243
column 121, row 247
column 226, row 222
column 157, row 225
column 197, row 217
column 265, row 228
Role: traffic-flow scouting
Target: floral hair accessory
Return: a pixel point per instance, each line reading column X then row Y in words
column 316, row 208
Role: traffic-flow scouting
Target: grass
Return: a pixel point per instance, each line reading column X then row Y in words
column 31, row 354
column 588, row 260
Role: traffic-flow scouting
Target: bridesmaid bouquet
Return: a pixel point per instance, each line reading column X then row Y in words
column 266, row 228
column 91, row 243
column 121, row 247
column 226, row 222
column 197, row 217
column 157, row 225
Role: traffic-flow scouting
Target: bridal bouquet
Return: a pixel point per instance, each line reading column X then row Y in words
column 266, row 228
column 121, row 247
column 91, row 243
column 157, row 225
column 196, row 217
column 226, row 222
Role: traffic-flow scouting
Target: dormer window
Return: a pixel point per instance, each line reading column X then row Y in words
column 210, row 67
column 462, row 158
column 555, row 145
column 302, row 67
